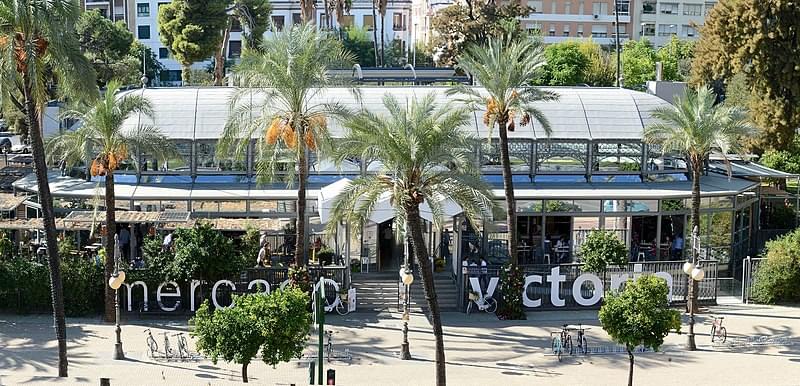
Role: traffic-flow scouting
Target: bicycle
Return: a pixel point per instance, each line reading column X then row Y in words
column 717, row 330
column 487, row 304
column 343, row 307
column 167, row 348
column 151, row 344
column 329, row 344
column 583, row 345
column 183, row 347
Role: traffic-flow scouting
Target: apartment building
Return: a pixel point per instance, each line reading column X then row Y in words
column 659, row 20
column 560, row 20
column 123, row 10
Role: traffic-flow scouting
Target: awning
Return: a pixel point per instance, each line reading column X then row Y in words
column 10, row 202
column 741, row 168
column 126, row 217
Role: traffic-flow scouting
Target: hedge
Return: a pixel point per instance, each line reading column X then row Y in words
column 778, row 277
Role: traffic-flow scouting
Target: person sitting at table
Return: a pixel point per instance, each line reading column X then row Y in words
column 264, row 255
column 677, row 246
column 562, row 247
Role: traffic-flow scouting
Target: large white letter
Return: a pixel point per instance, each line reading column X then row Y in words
column 192, row 289
column 556, row 278
column 598, row 289
column 214, row 292
column 177, row 294
column 259, row 281
column 526, row 301
column 617, row 280
column 130, row 293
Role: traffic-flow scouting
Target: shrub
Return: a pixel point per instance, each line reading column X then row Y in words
column 601, row 249
column 83, row 287
column 6, row 247
column 512, row 282
column 204, row 253
column 778, row 277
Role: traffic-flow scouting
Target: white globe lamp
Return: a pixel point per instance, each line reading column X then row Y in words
column 688, row 268
column 698, row 274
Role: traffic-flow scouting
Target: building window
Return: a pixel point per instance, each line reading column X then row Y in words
column 649, row 7
column 669, row 8
column 693, row 9
column 537, row 5
column 688, row 31
column 580, row 8
column 599, row 8
column 346, row 21
column 398, row 22
column 368, row 22
column 580, row 30
column 278, row 22
column 534, row 28
column 297, row 18
column 163, row 53
column 143, row 32
column 552, row 30
column 143, row 9
column 568, row 8
column 599, row 31
column 708, row 7
column 667, row 29
column 623, row 7
column 170, row 75
column 648, row 29
column 235, row 49
column 566, row 30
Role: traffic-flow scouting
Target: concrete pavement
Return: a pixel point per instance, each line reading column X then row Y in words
column 480, row 350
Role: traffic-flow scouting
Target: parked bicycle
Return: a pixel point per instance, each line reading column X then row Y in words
column 152, row 346
column 183, row 347
column 343, row 307
column 718, row 331
column 562, row 342
column 167, row 347
column 487, row 303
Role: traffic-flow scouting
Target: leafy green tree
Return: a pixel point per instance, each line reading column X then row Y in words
column 601, row 249
column 152, row 65
column 566, row 64
column 676, row 58
column 191, row 30
column 638, row 63
column 460, row 26
column 253, row 16
column 104, row 42
column 102, row 136
column 357, row 41
column 6, row 247
column 506, row 67
column 249, row 245
column 426, row 158
column 694, row 127
column 639, row 315
column 778, row 278
column 759, row 39
column 205, row 253
column 289, row 68
column 601, row 71
column 37, row 42
column 276, row 324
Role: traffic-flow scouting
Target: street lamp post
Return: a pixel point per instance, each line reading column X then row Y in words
column 115, row 281
column 696, row 275
column 407, row 278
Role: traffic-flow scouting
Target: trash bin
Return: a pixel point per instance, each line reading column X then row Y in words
column 331, row 377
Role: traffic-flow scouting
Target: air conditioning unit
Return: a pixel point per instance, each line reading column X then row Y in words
column 596, row 16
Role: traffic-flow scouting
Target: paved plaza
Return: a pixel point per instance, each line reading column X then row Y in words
column 480, row 351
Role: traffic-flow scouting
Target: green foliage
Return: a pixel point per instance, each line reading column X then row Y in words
column 676, row 58
column 778, row 277
column 158, row 264
column 191, row 30
column 601, row 71
column 276, row 325
column 253, row 16
column 672, row 205
column 512, row 281
column 357, row 41
column 638, row 63
column 204, row 252
column 249, row 245
column 66, row 247
column 300, row 278
column 759, row 39
column 639, row 315
column 6, row 247
column 458, row 26
column 602, row 249
column 152, row 65
column 84, row 286
column 787, row 160
column 104, row 43
column 567, row 65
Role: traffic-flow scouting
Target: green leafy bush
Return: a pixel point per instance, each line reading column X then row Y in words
column 778, row 277
column 83, row 287
column 202, row 252
column 512, row 282
column 6, row 247
column 601, row 249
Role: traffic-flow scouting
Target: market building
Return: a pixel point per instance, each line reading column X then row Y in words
column 592, row 172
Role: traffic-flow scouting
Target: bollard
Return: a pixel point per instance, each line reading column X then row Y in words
column 331, row 377
column 311, row 372
column 105, row 382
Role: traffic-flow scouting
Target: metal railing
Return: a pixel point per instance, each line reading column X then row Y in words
column 749, row 271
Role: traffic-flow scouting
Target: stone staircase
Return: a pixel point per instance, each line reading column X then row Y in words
column 377, row 292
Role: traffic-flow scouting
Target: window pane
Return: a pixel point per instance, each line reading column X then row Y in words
column 613, row 205
column 672, row 205
column 554, row 157
column 218, row 206
column 587, row 205
column 528, row 206
column 278, row 22
column 642, row 205
column 618, row 225
column 207, row 160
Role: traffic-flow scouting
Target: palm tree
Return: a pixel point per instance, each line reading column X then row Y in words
column 102, row 133
column 426, row 158
column 283, row 82
column 506, row 67
column 382, row 7
column 37, row 40
column 375, row 31
column 694, row 127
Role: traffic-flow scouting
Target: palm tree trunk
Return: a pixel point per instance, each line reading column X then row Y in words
column 508, row 187
column 111, row 230
column 697, row 171
column 383, row 37
column 48, row 218
column 630, row 370
column 219, row 59
column 302, row 175
column 418, row 243
column 375, row 33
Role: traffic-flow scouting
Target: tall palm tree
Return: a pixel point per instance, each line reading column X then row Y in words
column 382, row 8
column 694, row 127
column 102, row 134
column 506, row 67
column 375, row 31
column 37, row 40
column 426, row 158
column 280, row 85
